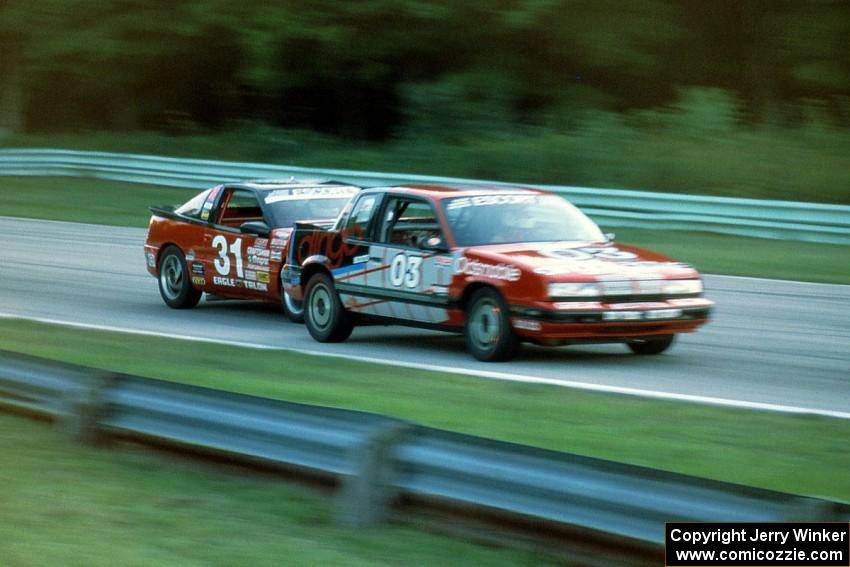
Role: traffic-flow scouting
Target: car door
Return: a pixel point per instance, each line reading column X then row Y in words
column 403, row 279
column 237, row 263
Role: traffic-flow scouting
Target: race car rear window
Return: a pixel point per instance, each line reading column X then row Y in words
column 242, row 206
column 194, row 206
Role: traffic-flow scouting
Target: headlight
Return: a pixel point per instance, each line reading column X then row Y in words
column 681, row 287
column 585, row 289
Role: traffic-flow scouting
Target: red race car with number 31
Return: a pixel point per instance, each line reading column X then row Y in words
column 501, row 265
column 229, row 240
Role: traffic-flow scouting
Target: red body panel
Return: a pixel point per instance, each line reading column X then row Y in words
column 261, row 258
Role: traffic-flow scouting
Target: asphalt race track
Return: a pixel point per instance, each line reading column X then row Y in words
column 771, row 342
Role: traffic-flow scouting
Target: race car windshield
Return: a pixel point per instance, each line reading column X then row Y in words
column 286, row 211
column 508, row 218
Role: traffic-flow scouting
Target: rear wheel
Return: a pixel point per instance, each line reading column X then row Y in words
column 294, row 310
column 651, row 345
column 489, row 336
column 174, row 285
column 326, row 318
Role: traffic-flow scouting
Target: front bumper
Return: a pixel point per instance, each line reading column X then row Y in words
column 563, row 322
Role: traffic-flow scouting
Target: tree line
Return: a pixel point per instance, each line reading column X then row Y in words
column 375, row 69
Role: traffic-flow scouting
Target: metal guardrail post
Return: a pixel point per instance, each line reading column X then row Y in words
column 83, row 406
column 367, row 494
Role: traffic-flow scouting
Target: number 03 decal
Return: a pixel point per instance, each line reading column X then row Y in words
column 222, row 263
column 406, row 270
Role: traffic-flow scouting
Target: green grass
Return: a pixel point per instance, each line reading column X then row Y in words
column 740, row 256
column 63, row 504
column 126, row 204
column 798, row 454
column 698, row 149
column 85, row 200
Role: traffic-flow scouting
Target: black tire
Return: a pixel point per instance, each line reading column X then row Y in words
column 325, row 317
column 175, row 286
column 488, row 332
column 651, row 345
column 294, row 310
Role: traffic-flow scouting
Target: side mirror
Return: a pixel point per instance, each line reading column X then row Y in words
column 258, row 228
column 434, row 244
column 610, row 236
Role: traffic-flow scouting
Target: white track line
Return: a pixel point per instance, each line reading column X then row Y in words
column 652, row 394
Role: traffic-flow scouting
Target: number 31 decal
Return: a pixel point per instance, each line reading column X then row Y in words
column 406, row 270
column 222, row 263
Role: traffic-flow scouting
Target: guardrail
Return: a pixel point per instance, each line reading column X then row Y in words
column 379, row 459
column 787, row 220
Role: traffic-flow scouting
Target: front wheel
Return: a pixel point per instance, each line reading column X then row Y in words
column 174, row 285
column 326, row 318
column 651, row 345
column 489, row 336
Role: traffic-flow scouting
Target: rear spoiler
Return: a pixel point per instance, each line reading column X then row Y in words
column 163, row 210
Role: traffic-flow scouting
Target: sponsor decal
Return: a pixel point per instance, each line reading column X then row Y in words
column 578, row 305
column 622, row 316
column 250, row 275
column 490, row 200
column 257, row 286
column 260, row 243
column 190, row 255
column 256, row 260
column 438, row 290
column 205, row 215
column 582, row 254
column 279, row 242
column 610, row 253
column 652, row 315
column 197, row 280
column 464, row 265
column 276, row 256
column 316, row 192
column 526, row 324
column 246, row 284
column 648, row 305
column 443, row 260
column 688, row 301
column 254, row 251
column 572, row 254
column 198, row 269
column 263, row 277
column 663, row 314
column 360, row 259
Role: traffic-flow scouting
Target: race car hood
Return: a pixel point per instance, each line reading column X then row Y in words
column 581, row 261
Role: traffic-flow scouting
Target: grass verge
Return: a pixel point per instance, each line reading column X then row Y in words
column 699, row 149
column 792, row 453
column 85, row 200
column 741, row 256
column 126, row 204
column 63, row 504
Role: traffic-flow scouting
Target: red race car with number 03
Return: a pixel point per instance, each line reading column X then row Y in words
column 501, row 265
column 230, row 240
